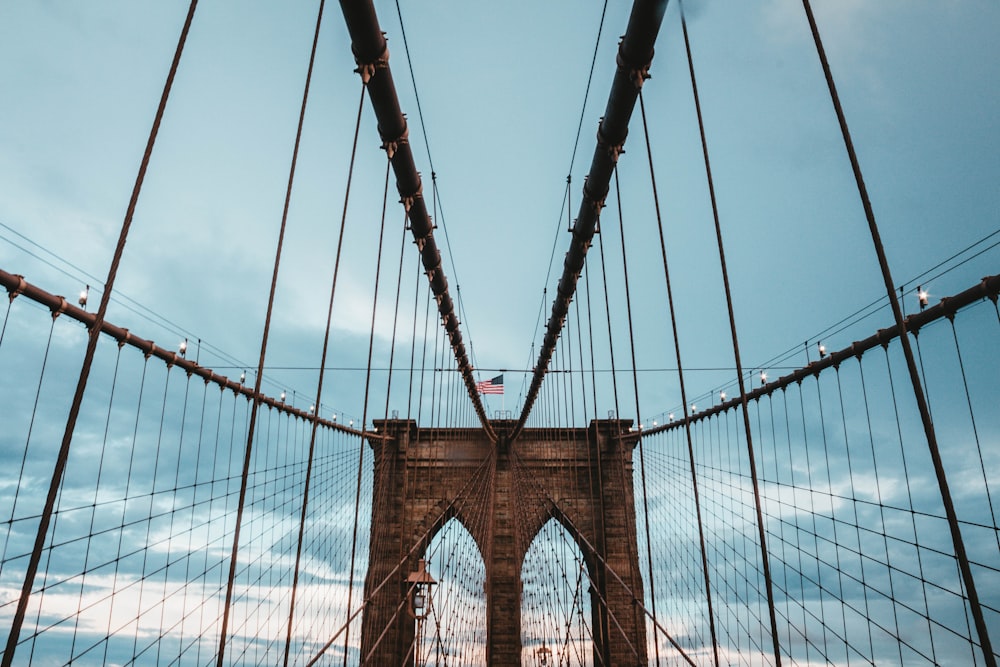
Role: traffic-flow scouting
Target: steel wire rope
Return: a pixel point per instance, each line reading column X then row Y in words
column 145, row 549
column 326, row 336
column 438, row 211
column 881, row 505
column 861, row 314
column 975, row 431
column 381, row 463
column 395, row 316
column 190, row 544
column 434, row 407
column 568, row 379
column 95, row 332
column 572, row 162
column 735, row 340
column 406, row 453
column 128, row 484
column 918, row 386
column 477, row 524
column 93, row 513
column 583, row 370
column 630, row 536
column 413, row 340
column 599, row 492
column 595, row 493
column 417, row 543
column 537, row 565
column 926, row 387
column 267, row 327
column 585, row 544
column 437, row 381
column 786, row 587
column 576, row 609
column 800, row 569
column 854, row 507
column 450, row 548
column 829, row 494
column 825, row 652
column 677, row 349
column 420, row 405
column 638, row 411
column 6, row 317
column 548, row 603
column 423, row 355
column 45, row 578
column 364, row 414
column 27, row 442
column 607, row 316
column 173, row 513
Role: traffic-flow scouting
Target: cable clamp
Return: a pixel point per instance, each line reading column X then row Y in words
column 637, row 73
column 61, row 308
column 390, row 146
column 613, row 149
column 367, row 70
column 13, row 292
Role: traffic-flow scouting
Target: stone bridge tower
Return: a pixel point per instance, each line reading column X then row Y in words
column 504, row 495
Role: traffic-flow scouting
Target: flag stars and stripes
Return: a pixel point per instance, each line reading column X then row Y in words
column 493, row 386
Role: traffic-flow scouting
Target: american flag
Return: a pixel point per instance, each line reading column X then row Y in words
column 494, row 386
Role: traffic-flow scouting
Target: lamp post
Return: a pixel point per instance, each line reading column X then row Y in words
column 543, row 653
column 419, row 584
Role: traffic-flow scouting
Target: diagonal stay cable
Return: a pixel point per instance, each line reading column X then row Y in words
column 255, row 404
column 462, row 497
column 737, row 358
column 552, row 506
column 968, row 579
column 372, row 55
column 94, row 336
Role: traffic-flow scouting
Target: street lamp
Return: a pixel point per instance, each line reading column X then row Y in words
column 543, row 653
column 419, row 584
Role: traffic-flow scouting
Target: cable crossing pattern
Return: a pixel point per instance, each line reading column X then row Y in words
column 156, row 510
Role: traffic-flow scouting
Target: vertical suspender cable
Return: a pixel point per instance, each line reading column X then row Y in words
column 395, row 318
column 322, row 364
column 911, row 365
column 638, row 416
column 761, row 532
column 683, row 389
column 372, row 56
column 364, row 418
column 88, row 359
column 635, row 54
column 263, row 350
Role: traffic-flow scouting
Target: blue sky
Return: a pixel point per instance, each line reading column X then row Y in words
column 501, row 89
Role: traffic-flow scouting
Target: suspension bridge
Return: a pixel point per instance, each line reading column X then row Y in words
column 170, row 503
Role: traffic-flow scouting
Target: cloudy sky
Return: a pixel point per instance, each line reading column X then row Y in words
column 501, row 91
